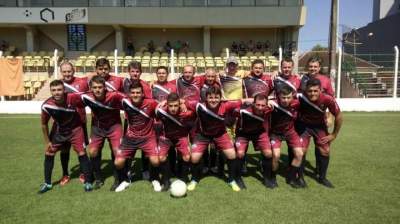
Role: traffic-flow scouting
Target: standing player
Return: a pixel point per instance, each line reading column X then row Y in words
column 161, row 88
column 66, row 130
column 140, row 134
column 312, row 123
column 175, row 123
column 211, row 128
column 282, row 128
column 72, row 84
column 106, row 124
column 209, row 156
column 286, row 77
column 188, row 86
column 314, row 71
column 113, row 83
column 253, row 125
column 257, row 82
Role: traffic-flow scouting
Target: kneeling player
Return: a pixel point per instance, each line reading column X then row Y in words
column 176, row 126
column 312, row 123
column 140, row 134
column 211, row 128
column 282, row 128
column 67, row 129
column 252, row 125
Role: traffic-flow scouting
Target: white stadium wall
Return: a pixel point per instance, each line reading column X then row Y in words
column 346, row 104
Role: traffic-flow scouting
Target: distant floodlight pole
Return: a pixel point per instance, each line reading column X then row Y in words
column 280, row 58
column 55, row 60
column 116, row 61
column 339, row 73
column 171, row 62
column 227, row 52
column 396, row 71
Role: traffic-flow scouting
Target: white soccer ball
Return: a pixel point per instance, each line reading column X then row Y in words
column 178, row 189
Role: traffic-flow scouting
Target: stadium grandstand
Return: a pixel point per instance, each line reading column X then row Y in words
column 199, row 32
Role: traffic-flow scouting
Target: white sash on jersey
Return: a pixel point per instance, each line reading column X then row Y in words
column 71, row 87
column 48, row 106
column 287, row 82
column 251, row 115
column 109, row 85
column 161, row 88
column 209, row 111
column 128, row 103
column 163, row 112
column 309, row 102
column 282, row 109
column 84, row 96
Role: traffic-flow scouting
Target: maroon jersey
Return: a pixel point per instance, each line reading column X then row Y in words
column 105, row 113
column 78, row 85
column 65, row 115
column 292, row 81
column 204, row 89
column 140, row 118
column 326, row 85
column 283, row 118
column 190, row 90
column 249, row 123
column 160, row 91
column 253, row 85
column 146, row 87
column 114, row 83
column 175, row 126
column 211, row 122
column 313, row 113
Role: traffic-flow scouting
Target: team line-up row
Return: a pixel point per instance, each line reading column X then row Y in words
column 190, row 115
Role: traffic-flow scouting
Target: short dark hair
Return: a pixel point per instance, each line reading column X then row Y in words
column 172, row 97
column 56, row 82
column 162, row 67
column 257, row 61
column 136, row 85
column 314, row 59
column 285, row 90
column 313, row 82
column 97, row 79
column 287, row 59
column 260, row 96
column 214, row 90
column 102, row 61
column 135, row 65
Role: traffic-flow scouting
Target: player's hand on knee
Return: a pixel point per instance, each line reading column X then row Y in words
column 328, row 138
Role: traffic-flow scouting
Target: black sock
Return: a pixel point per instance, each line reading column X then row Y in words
column 48, row 168
column 196, row 171
column 293, row 171
column 221, row 162
column 324, row 162
column 172, row 159
column 154, row 173
column 165, row 171
column 213, row 155
column 64, row 158
column 85, row 167
column 206, row 158
column 317, row 160
column 233, row 169
column 115, row 173
column 96, row 167
column 267, row 167
column 145, row 162
column 121, row 173
column 290, row 155
column 302, row 167
column 184, row 171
